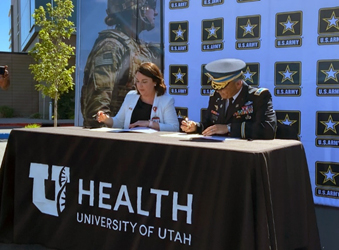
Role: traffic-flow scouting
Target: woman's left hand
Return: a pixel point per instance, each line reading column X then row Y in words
column 139, row 124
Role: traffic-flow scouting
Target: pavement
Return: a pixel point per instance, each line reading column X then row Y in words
column 6, row 126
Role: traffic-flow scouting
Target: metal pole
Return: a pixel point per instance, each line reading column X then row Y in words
column 50, row 110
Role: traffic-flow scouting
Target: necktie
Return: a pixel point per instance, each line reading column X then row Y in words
column 230, row 103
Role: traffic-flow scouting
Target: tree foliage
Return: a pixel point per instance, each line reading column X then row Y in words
column 52, row 53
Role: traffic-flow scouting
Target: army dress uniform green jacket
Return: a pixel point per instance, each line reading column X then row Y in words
column 251, row 115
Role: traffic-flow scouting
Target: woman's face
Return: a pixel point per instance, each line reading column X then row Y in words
column 145, row 85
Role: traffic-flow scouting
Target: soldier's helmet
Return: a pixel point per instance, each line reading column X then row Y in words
column 138, row 7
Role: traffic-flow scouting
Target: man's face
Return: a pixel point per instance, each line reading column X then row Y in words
column 230, row 90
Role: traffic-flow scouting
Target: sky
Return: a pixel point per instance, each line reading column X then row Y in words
column 5, row 24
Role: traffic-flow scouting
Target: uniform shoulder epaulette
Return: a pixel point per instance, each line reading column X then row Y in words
column 260, row 90
column 212, row 92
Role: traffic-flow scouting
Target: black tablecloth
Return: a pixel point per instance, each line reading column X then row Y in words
column 72, row 188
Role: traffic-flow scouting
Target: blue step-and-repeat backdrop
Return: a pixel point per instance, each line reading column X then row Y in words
column 290, row 47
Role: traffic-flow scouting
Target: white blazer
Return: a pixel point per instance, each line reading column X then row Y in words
column 163, row 111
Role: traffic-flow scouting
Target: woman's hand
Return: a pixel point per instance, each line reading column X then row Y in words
column 140, row 124
column 146, row 124
column 102, row 117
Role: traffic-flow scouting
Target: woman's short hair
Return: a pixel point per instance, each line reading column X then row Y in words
column 151, row 70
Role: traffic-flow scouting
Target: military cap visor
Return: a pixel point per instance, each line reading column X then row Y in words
column 223, row 71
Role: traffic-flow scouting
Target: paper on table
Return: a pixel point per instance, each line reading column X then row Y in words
column 119, row 130
column 197, row 136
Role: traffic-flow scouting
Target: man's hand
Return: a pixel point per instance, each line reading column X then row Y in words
column 217, row 129
column 188, row 126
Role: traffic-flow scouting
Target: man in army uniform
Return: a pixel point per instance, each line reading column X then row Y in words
column 235, row 109
column 115, row 56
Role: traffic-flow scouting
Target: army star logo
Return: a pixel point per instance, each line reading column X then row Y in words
column 181, row 112
column 330, row 125
column 248, row 28
column 209, row 79
column 329, row 175
column 179, row 76
column 179, row 33
column 287, row 121
column 331, row 73
column 333, row 21
column 212, row 31
column 248, row 75
column 288, row 25
column 287, row 74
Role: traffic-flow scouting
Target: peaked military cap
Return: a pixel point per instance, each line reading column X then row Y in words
column 223, row 71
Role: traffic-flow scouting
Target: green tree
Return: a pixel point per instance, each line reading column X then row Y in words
column 51, row 53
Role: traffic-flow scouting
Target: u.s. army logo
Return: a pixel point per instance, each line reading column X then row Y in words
column 248, row 32
column 288, row 78
column 328, row 26
column 205, row 82
column 288, row 29
column 178, row 4
column 327, row 129
column 251, row 74
column 178, row 36
column 212, row 34
column 182, row 112
column 328, row 78
column 178, row 79
column 211, row 2
column 289, row 118
column 327, row 179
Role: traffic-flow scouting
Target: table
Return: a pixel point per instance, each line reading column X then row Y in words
column 73, row 188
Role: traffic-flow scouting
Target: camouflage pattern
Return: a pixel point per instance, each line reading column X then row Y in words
column 116, row 6
column 109, row 73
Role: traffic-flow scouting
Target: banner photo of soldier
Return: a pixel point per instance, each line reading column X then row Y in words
column 116, row 53
column 290, row 48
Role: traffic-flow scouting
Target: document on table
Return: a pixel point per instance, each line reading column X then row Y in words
column 197, row 136
column 122, row 130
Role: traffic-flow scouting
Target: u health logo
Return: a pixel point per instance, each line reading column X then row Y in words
column 60, row 176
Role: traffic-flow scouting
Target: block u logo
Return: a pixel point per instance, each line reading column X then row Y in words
column 60, row 176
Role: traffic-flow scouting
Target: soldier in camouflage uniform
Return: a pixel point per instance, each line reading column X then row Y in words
column 115, row 56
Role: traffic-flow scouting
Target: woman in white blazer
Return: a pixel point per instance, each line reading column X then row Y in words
column 147, row 106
